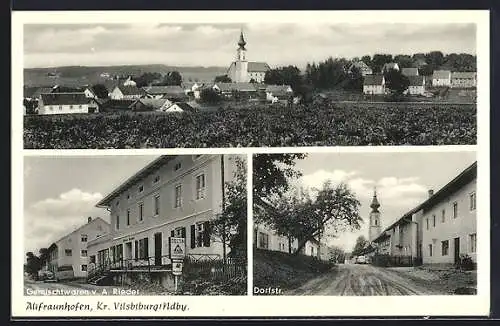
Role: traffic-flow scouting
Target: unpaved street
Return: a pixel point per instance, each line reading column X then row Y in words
column 353, row 279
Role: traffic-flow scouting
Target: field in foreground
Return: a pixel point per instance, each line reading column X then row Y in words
column 259, row 126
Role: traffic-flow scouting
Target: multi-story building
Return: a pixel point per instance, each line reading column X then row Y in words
column 174, row 196
column 66, row 103
column 463, row 79
column 72, row 249
column 439, row 230
column 417, row 85
column 265, row 238
column 441, row 78
column 374, row 84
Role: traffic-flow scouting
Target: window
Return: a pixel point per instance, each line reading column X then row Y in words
column 68, row 252
column 117, row 203
column 376, row 222
column 427, row 223
column 443, row 216
column 430, row 250
column 117, row 225
column 143, row 248
column 83, row 268
column 128, row 217
column 200, row 186
column 472, row 203
column 179, row 233
column 455, row 210
column 128, row 196
column 71, row 107
column 177, row 166
column 178, row 196
column 84, row 253
column 141, row 189
column 156, row 179
column 84, row 238
column 444, row 248
column 200, row 235
column 140, row 206
column 80, row 106
column 156, row 205
column 263, row 240
column 473, row 242
column 434, row 220
column 60, row 107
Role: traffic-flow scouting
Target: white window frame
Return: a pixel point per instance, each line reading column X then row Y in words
column 86, row 253
column 128, row 216
column 178, row 201
column 455, row 209
column 117, row 222
column 81, row 267
column 199, row 227
column 472, row 201
column 443, row 215
column 84, row 236
column 200, row 193
column 140, row 189
column 178, row 232
column 140, row 211
column 66, row 251
column 473, row 242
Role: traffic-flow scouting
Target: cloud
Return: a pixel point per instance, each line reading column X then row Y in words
column 49, row 219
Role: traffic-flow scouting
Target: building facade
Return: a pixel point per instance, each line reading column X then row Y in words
column 66, row 103
column 124, row 92
column 174, row 196
column 243, row 71
column 72, row 249
column 464, row 79
column 441, row 78
column 416, row 86
column 375, row 227
column 440, row 230
column 374, row 85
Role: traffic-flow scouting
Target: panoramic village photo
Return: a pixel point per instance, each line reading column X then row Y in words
column 127, row 86
column 135, row 225
column 365, row 224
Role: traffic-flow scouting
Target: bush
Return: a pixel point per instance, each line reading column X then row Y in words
column 466, row 263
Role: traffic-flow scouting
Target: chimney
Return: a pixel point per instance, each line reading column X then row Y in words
column 89, row 219
column 431, row 192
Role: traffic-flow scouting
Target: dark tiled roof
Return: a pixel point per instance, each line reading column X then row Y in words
column 64, row 98
column 373, row 80
column 131, row 90
column 258, row 67
column 185, row 107
column 463, row 75
column 242, row 87
column 158, row 90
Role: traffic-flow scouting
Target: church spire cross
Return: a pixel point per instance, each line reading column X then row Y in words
column 241, row 42
column 375, row 204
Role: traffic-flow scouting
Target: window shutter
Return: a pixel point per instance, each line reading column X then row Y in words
column 136, row 251
column 183, row 233
column 146, row 248
column 193, row 235
column 172, row 233
column 206, row 234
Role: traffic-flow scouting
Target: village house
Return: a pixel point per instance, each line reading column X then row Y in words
column 64, row 103
column 361, row 66
column 441, row 78
column 390, row 65
column 150, row 104
column 230, row 89
column 374, row 84
column 409, row 72
column 441, row 229
column 463, row 79
column 267, row 239
column 173, row 196
column 192, row 88
column 243, row 71
column 71, row 251
column 180, row 107
column 417, row 85
column 173, row 92
column 122, row 92
column 275, row 93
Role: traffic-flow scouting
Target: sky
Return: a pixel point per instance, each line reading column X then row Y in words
column 49, row 45
column 402, row 180
column 61, row 192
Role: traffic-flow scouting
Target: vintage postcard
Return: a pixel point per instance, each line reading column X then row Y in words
column 188, row 163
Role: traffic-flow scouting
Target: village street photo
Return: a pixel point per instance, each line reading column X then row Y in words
column 365, row 224
column 135, row 225
column 248, row 84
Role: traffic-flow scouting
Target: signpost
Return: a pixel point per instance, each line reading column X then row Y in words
column 177, row 255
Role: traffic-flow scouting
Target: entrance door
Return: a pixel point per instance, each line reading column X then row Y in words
column 158, row 245
column 456, row 248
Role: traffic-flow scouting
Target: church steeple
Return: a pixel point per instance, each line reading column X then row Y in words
column 375, row 204
column 241, row 42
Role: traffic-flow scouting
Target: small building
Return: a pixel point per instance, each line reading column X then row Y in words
column 229, row 89
column 374, row 84
column 122, row 92
column 179, row 107
column 267, row 239
column 168, row 92
column 63, row 103
column 417, row 85
column 441, row 78
column 275, row 93
column 361, row 66
column 72, row 251
column 409, row 72
column 463, row 79
column 390, row 65
column 150, row 104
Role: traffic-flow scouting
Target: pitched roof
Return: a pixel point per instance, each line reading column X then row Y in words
column 185, row 106
column 158, row 90
column 467, row 175
column 416, row 80
column 153, row 103
column 464, row 75
column 410, row 71
column 81, row 227
column 373, row 79
column 242, row 87
column 441, row 74
column 279, row 90
column 41, row 90
column 258, row 67
column 64, row 98
column 131, row 90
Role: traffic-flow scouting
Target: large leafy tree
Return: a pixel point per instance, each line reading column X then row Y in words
column 230, row 226
column 396, row 81
column 360, row 244
column 100, row 91
column 33, row 264
column 289, row 75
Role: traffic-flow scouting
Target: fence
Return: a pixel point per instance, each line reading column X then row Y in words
column 395, row 261
column 214, row 269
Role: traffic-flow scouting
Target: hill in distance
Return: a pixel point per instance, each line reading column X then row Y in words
column 88, row 75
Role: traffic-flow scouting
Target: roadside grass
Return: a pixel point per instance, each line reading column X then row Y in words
column 285, row 271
